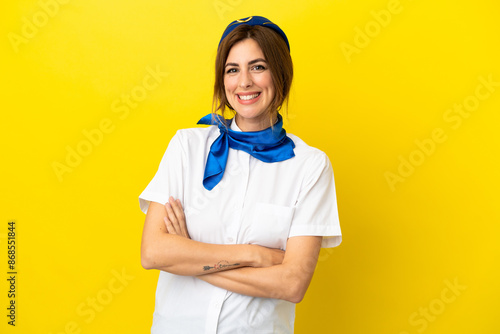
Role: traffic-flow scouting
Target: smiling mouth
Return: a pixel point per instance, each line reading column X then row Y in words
column 248, row 97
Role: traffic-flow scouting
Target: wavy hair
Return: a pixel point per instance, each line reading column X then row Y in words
column 278, row 59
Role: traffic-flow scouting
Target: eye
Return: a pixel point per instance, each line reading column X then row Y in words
column 259, row 67
column 231, row 70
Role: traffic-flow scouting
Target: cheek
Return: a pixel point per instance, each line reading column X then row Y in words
column 267, row 81
column 229, row 96
column 228, row 85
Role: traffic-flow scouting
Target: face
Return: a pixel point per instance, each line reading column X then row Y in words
column 248, row 85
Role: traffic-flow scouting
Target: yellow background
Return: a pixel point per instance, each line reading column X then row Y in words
column 402, row 244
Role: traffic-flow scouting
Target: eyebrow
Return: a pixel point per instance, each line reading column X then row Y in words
column 249, row 63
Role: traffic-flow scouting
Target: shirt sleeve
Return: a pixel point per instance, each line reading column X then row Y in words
column 316, row 211
column 168, row 180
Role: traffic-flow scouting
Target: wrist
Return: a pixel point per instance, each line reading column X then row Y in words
column 253, row 256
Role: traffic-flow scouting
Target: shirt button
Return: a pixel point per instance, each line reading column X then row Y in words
column 230, row 239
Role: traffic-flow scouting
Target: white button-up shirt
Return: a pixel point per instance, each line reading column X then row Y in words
column 255, row 203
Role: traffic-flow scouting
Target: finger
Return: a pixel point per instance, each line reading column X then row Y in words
column 172, row 218
column 170, row 213
column 170, row 227
column 179, row 205
column 179, row 214
column 183, row 218
column 176, row 207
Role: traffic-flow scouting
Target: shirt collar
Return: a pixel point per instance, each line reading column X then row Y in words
column 233, row 125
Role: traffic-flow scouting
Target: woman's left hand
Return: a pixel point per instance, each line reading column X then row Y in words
column 175, row 219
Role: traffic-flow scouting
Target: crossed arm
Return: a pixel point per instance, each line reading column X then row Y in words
column 245, row 269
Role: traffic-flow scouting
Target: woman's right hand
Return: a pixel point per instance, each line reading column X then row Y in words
column 175, row 221
column 269, row 256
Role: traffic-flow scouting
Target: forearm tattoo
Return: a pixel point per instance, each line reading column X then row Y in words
column 220, row 265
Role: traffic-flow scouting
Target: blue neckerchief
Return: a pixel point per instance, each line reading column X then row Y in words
column 269, row 145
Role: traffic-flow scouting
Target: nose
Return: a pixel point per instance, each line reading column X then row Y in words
column 245, row 79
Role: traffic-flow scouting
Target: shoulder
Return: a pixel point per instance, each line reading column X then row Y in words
column 308, row 154
column 196, row 137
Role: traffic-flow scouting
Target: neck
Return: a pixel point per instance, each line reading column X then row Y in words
column 252, row 125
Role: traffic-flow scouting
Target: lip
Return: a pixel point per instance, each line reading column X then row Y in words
column 246, row 94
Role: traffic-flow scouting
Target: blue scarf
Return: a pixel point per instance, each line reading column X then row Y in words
column 269, row 145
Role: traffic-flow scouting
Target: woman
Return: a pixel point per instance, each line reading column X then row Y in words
column 238, row 211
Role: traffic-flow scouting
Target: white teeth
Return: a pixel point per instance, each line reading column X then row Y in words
column 248, row 97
